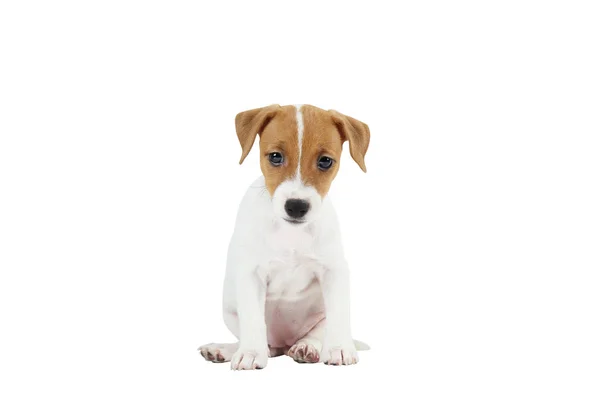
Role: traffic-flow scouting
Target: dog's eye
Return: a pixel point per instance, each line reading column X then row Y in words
column 324, row 163
column 276, row 159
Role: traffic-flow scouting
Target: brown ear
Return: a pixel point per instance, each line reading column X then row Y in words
column 250, row 123
column 356, row 133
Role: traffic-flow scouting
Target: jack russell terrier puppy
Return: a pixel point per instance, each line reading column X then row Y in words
column 286, row 288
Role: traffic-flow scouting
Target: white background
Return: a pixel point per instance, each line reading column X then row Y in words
column 473, row 239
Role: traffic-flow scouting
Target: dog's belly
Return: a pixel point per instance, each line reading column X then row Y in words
column 294, row 305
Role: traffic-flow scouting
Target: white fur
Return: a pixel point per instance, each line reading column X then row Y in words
column 300, row 123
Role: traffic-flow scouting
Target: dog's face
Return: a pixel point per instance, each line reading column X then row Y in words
column 300, row 149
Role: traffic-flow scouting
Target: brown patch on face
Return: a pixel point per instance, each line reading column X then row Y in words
column 280, row 136
column 323, row 135
column 321, row 139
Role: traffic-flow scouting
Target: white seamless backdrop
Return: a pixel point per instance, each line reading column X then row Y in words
column 473, row 239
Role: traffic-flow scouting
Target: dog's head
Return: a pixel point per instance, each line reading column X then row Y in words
column 300, row 149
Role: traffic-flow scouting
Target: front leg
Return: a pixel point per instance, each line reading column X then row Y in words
column 338, row 346
column 253, row 350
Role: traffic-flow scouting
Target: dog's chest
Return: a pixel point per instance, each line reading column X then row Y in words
column 290, row 263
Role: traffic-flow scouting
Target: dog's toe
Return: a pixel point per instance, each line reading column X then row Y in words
column 304, row 353
column 248, row 360
column 341, row 356
column 218, row 352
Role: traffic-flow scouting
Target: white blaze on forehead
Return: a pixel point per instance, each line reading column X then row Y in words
column 300, row 123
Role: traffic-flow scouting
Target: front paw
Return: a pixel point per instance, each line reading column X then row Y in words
column 245, row 359
column 340, row 355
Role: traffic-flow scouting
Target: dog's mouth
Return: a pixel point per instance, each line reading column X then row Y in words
column 295, row 221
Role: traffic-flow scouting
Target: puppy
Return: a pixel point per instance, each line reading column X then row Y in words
column 286, row 287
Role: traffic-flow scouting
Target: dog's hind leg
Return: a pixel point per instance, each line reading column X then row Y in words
column 307, row 349
column 218, row 352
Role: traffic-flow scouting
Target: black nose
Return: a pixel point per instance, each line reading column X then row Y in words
column 296, row 208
